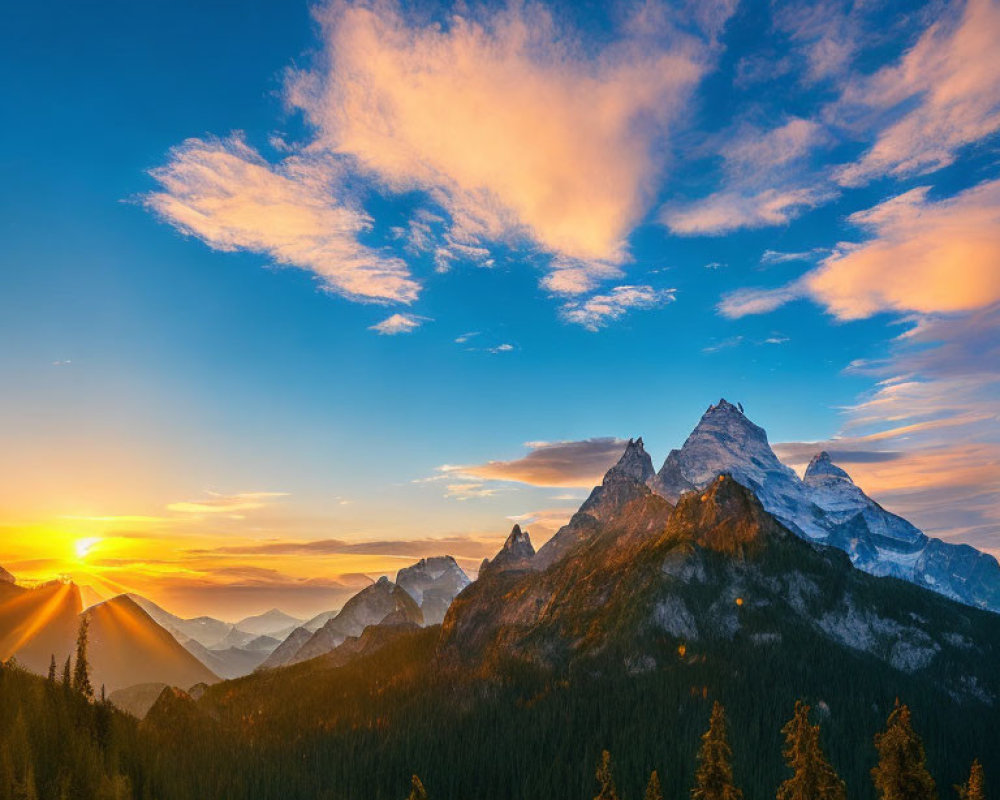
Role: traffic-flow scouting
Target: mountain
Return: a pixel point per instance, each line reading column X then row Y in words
column 652, row 611
column 623, row 484
column 826, row 506
column 229, row 662
column 206, row 631
column 138, row 699
column 382, row 602
column 285, row 652
column 433, row 583
column 6, row 577
column 271, row 623
column 516, row 553
column 39, row 623
column 126, row 647
column 717, row 571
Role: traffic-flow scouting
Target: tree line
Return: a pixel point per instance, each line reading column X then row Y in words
column 901, row 772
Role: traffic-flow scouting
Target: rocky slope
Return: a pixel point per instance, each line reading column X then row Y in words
column 381, row 603
column 433, row 583
column 516, row 553
column 715, row 572
column 624, row 483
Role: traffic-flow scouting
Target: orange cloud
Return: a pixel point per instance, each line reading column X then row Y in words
column 504, row 121
column 563, row 464
column 225, row 194
column 926, row 256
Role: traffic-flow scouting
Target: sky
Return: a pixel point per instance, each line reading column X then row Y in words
column 294, row 294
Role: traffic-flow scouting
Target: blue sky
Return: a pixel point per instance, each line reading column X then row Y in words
column 590, row 221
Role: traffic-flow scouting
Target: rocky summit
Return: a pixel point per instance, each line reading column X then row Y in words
column 826, row 506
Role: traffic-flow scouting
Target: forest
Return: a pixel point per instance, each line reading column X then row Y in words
column 376, row 725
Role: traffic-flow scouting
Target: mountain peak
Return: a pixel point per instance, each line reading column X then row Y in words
column 5, row 576
column 516, row 552
column 635, row 464
column 821, row 465
column 518, row 543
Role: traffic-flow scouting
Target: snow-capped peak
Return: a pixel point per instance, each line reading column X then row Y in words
column 821, row 466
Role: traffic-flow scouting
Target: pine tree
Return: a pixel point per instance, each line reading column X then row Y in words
column 417, row 791
column 714, row 777
column 812, row 776
column 975, row 787
column 901, row 773
column 52, row 670
column 653, row 788
column 81, row 670
column 605, row 780
column 67, row 679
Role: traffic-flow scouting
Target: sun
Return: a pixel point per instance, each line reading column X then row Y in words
column 84, row 546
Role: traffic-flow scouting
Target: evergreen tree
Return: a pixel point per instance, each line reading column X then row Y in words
column 901, row 773
column 67, row 676
column 605, row 780
column 417, row 791
column 812, row 776
column 714, row 778
column 975, row 787
column 653, row 788
column 81, row 670
column 52, row 669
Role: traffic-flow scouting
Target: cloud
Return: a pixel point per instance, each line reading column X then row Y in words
column 934, row 409
column 732, row 209
column 398, row 323
column 224, row 193
column 502, row 348
column 465, row 546
column 597, row 311
column 741, row 302
column 942, row 95
column 840, row 451
column 226, row 503
column 769, row 257
column 517, row 130
column 925, row 255
column 565, row 464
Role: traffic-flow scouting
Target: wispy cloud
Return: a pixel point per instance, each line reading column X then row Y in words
column 224, row 193
column 399, row 323
column 599, row 310
column 566, row 464
column 729, row 210
column 216, row 503
column 942, row 95
column 924, row 440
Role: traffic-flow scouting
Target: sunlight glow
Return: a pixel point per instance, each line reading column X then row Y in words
column 84, row 546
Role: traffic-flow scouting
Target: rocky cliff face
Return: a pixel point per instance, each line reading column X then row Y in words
column 433, row 583
column 715, row 572
column 516, row 553
column 623, row 485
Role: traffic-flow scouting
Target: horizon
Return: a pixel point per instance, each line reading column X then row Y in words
column 337, row 286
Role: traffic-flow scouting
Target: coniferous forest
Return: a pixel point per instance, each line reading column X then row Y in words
column 387, row 727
